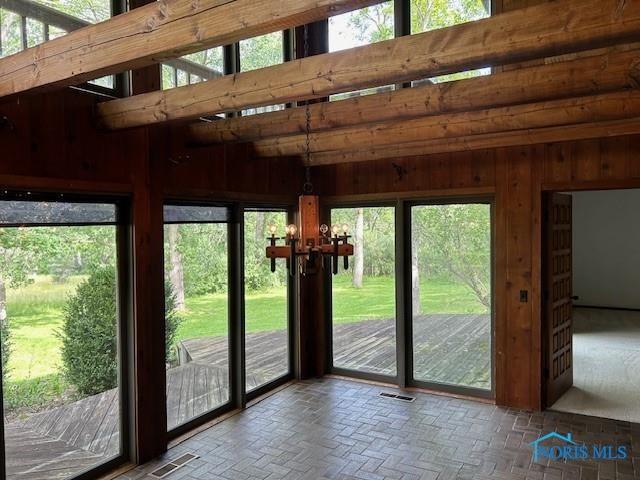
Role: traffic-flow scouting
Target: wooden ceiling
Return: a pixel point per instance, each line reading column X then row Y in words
column 564, row 99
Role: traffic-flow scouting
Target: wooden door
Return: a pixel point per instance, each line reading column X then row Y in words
column 558, row 320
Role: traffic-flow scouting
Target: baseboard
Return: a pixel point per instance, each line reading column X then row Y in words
column 598, row 307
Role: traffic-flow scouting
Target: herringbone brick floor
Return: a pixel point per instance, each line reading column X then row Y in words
column 339, row 429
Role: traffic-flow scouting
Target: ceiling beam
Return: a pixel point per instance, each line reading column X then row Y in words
column 155, row 33
column 515, row 138
column 549, row 29
column 599, row 74
column 450, row 127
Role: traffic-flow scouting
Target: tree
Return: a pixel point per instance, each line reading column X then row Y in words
column 176, row 271
column 358, row 249
column 455, row 243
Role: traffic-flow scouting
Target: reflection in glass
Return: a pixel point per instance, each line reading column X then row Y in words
column 197, row 329
column 451, row 294
column 266, row 316
column 59, row 324
column 364, row 306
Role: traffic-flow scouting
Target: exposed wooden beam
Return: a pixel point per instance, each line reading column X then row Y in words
column 604, row 73
column 596, row 108
column 154, row 33
column 550, row 29
column 533, row 136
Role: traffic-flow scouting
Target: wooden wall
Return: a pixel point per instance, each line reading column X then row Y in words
column 50, row 144
column 516, row 178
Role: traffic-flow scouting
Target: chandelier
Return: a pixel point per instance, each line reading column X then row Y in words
column 310, row 246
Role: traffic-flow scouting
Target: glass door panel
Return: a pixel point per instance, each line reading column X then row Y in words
column 265, row 302
column 59, row 332
column 364, row 297
column 451, row 294
column 197, row 311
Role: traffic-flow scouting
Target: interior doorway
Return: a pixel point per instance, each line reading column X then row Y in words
column 591, row 303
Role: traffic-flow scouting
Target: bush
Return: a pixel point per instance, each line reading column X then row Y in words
column 89, row 333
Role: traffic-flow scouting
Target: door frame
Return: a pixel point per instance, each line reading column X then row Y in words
column 407, row 232
column 558, row 187
column 404, row 341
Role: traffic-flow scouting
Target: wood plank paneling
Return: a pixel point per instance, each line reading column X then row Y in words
column 518, row 176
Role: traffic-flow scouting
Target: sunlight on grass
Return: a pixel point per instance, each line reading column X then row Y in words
column 35, row 313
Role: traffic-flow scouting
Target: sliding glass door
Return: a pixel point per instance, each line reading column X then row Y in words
column 451, row 297
column 443, row 337
column 364, row 296
column 60, row 332
column 196, row 244
column 266, row 311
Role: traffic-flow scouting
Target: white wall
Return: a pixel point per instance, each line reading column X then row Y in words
column 606, row 248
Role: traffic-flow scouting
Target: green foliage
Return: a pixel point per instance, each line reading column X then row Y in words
column 34, row 393
column 203, row 248
column 257, row 267
column 262, row 51
column 89, row 334
column 454, row 242
column 171, row 322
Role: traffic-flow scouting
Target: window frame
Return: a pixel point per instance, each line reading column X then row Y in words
column 404, row 316
column 411, row 381
column 124, row 299
column 239, row 397
column 291, row 309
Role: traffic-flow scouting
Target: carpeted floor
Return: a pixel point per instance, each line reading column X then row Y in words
column 606, row 365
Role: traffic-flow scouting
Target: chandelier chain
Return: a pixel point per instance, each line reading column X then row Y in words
column 308, row 186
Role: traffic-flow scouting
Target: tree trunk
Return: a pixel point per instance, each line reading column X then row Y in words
column 415, row 276
column 176, row 274
column 260, row 237
column 358, row 249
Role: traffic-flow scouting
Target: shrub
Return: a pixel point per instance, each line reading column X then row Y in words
column 89, row 333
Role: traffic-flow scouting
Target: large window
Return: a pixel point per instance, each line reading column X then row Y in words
column 427, row 15
column 196, row 311
column 60, row 328
column 261, row 52
column 193, row 68
column 363, row 297
column 361, row 27
column 451, row 294
column 266, row 303
column 26, row 23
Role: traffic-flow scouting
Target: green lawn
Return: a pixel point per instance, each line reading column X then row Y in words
column 35, row 315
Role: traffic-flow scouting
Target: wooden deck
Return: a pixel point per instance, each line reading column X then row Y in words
column 67, row 440
column 449, row 348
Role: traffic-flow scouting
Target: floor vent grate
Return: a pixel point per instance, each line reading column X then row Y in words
column 404, row 398
column 173, row 465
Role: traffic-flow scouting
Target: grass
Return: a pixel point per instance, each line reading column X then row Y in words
column 35, row 314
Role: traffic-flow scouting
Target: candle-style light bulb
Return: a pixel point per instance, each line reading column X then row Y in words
column 292, row 229
column 272, row 229
column 335, row 229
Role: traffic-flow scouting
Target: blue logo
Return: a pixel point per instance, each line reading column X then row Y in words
column 571, row 450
